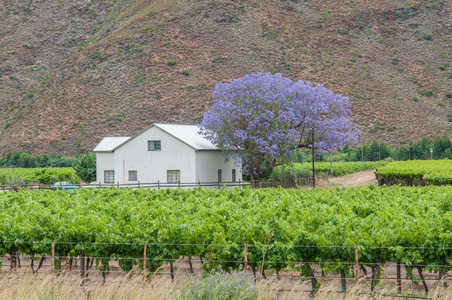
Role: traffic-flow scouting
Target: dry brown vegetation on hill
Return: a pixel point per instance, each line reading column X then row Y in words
column 72, row 72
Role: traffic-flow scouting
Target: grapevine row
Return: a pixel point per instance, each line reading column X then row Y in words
column 407, row 225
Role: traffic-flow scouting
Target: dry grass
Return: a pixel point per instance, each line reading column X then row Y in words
column 24, row 285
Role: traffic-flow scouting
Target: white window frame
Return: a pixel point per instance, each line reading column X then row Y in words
column 220, row 171
column 135, row 175
column 107, row 176
column 173, row 176
column 155, row 145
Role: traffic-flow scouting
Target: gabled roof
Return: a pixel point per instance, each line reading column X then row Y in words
column 108, row 144
column 187, row 134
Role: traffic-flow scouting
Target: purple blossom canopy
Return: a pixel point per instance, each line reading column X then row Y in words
column 260, row 119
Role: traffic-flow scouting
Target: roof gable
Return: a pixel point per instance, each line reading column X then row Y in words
column 187, row 134
column 109, row 144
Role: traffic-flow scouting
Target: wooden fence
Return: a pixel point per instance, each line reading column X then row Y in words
column 163, row 185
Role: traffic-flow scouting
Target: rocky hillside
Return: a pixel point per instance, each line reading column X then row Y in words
column 72, row 72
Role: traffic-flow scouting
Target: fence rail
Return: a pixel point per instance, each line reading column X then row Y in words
column 395, row 273
column 161, row 185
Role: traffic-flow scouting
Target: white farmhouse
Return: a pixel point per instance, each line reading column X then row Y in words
column 163, row 153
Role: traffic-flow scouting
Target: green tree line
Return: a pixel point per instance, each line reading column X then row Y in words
column 25, row 159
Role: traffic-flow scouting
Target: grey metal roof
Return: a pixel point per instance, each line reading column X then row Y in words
column 108, row 144
column 187, row 134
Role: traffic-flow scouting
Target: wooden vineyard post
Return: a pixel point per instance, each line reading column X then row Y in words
column 144, row 261
column 356, row 271
column 399, row 279
column 245, row 268
column 356, row 265
column 52, row 261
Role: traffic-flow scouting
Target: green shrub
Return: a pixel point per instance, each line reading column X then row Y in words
column 171, row 63
column 440, row 104
column 427, row 37
column 343, row 31
column 415, row 99
column 443, row 66
column 447, row 75
column 425, row 93
column 218, row 285
column 448, row 95
column 403, row 14
column 395, row 61
column 185, row 72
column 353, row 60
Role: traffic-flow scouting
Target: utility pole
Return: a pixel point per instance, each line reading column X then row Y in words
column 313, row 160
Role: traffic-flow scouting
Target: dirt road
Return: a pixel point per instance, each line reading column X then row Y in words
column 363, row 178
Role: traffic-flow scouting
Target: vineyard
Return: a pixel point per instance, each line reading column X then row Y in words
column 43, row 175
column 416, row 172
column 407, row 225
column 339, row 168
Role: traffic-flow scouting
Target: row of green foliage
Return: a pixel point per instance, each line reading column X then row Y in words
column 24, row 159
column 432, row 171
column 42, row 175
column 442, row 148
column 282, row 228
column 339, row 168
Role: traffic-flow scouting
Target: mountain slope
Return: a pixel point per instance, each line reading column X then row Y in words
column 74, row 72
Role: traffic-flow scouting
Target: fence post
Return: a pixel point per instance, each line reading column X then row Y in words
column 118, row 184
column 144, row 261
column 53, row 257
column 356, row 265
column 178, row 184
column 139, row 187
column 158, row 184
column 240, row 183
column 245, row 268
column 399, row 279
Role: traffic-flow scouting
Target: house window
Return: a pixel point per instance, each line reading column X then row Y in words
column 233, row 175
column 133, row 176
column 109, row 176
column 173, row 176
column 154, row 146
column 219, row 175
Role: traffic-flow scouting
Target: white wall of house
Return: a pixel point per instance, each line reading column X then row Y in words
column 209, row 162
column 104, row 161
column 152, row 166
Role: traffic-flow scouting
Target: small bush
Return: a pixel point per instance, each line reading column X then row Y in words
column 171, row 63
column 432, row 6
column 219, row 285
column 443, row 66
column 353, row 60
column 440, row 104
column 447, row 75
column 404, row 14
column 448, row 95
column 343, row 31
column 425, row 93
column 395, row 61
column 427, row 37
column 415, row 99
column 186, row 72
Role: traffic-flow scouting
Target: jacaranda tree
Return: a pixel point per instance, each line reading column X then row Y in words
column 260, row 119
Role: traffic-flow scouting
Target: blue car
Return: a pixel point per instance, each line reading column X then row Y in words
column 64, row 186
